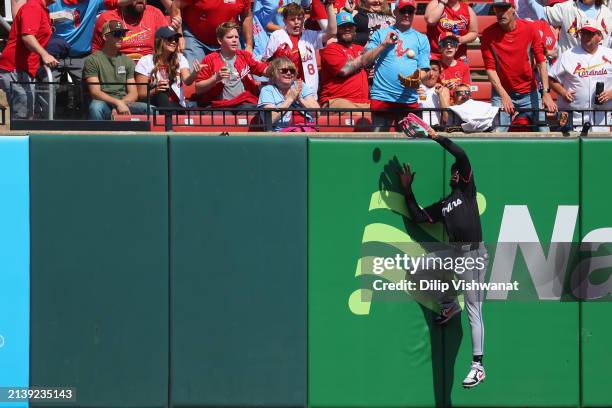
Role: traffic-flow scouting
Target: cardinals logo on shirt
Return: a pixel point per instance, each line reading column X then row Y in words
column 448, row 24
column 309, row 54
column 400, row 50
column 593, row 70
column 245, row 71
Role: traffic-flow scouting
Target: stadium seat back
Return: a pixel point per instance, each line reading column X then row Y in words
column 481, row 91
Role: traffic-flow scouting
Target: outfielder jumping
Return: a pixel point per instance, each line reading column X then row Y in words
column 459, row 214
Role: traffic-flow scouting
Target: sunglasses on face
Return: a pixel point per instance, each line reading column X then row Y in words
column 172, row 39
column 446, row 44
column 463, row 93
column 408, row 11
column 287, row 71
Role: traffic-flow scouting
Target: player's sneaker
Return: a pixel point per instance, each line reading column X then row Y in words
column 447, row 313
column 475, row 376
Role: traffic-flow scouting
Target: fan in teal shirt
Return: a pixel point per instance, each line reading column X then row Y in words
column 79, row 32
column 396, row 60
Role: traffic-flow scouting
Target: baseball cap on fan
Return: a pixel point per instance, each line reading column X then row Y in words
column 446, row 36
column 503, row 3
column 344, row 18
column 113, row 25
column 400, row 4
column 592, row 26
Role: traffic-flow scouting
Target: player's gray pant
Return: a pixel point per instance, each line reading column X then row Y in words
column 435, row 298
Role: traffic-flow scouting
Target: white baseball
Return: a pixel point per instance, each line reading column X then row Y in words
column 410, row 54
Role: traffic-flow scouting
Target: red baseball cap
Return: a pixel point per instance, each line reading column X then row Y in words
column 445, row 35
column 503, row 3
column 553, row 2
column 592, row 26
column 400, row 4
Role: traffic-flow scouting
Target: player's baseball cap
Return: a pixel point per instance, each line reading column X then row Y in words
column 592, row 26
column 344, row 18
column 503, row 3
column 166, row 32
column 400, row 4
column 112, row 26
column 447, row 35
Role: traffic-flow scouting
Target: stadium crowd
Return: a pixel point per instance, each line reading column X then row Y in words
column 312, row 54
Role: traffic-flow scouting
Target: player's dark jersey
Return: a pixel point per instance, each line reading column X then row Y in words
column 459, row 210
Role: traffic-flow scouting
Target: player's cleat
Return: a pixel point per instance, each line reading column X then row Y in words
column 447, row 313
column 475, row 376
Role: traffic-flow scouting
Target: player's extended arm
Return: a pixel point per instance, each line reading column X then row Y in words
column 416, row 213
column 463, row 163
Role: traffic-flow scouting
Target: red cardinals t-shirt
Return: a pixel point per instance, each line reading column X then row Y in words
column 140, row 36
column 202, row 17
column 32, row 18
column 506, row 52
column 459, row 19
column 457, row 74
column 353, row 88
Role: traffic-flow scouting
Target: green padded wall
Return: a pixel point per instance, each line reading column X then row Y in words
column 596, row 333
column 378, row 353
column 238, row 271
column 99, row 268
column 531, row 347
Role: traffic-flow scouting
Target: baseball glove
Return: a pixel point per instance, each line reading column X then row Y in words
column 413, row 81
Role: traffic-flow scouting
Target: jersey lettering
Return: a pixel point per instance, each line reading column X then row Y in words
column 450, row 206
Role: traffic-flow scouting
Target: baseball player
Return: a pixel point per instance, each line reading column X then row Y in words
column 459, row 214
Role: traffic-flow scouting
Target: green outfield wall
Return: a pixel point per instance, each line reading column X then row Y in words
column 595, row 327
column 99, row 268
column 238, row 286
column 197, row 271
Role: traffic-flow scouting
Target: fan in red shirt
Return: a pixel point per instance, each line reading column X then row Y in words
column 454, row 72
column 202, row 17
column 344, row 81
column 505, row 49
column 452, row 16
column 225, row 79
column 141, row 20
column 29, row 35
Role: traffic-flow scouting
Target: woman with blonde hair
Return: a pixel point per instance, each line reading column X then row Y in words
column 285, row 92
column 166, row 72
column 452, row 16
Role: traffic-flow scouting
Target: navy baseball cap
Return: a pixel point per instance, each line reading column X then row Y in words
column 166, row 32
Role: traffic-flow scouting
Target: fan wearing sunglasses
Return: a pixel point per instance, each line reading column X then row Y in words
column 110, row 77
column 165, row 72
column 454, row 16
column 286, row 92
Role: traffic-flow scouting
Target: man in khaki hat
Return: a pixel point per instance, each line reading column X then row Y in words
column 110, row 77
column 577, row 72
